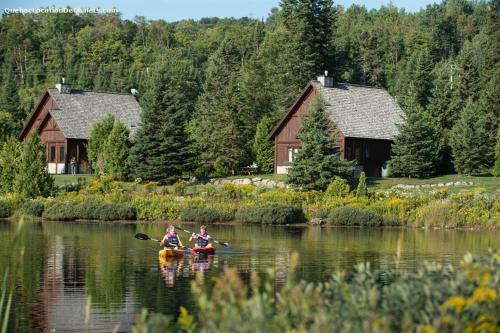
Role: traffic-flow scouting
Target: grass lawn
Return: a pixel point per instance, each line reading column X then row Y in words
column 489, row 183
column 60, row 180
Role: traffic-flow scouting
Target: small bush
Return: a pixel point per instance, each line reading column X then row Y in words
column 89, row 210
column 205, row 214
column 5, row 209
column 32, row 208
column 271, row 214
column 353, row 216
column 338, row 188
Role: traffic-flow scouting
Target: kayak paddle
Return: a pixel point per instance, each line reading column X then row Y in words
column 189, row 232
column 146, row 237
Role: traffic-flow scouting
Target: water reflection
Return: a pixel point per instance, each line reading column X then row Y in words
column 81, row 276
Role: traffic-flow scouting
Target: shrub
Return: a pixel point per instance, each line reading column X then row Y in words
column 5, row 209
column 270, row 214
column 353, row 216
column 361, row 190
column 32, row 208
column 290, row 197
column 205, row 214
column 89, row 210
column 338, row 188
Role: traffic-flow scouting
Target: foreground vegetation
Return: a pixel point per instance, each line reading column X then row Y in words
column 106, row 199
column 435, row 298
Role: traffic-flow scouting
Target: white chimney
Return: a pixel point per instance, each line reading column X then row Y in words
column 325, row 80
column 62, row 87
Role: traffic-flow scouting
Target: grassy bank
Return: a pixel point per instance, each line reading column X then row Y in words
column 435, row 298
column 108, row 200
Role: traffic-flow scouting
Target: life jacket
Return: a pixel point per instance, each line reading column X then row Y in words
column 201, row 241
column 172, row 240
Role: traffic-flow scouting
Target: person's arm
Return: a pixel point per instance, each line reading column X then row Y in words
column 179, row 240
column 192, row 237
column 163, row 241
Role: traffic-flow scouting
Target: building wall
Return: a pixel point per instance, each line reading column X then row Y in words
column 286, row 137
column 369, row 153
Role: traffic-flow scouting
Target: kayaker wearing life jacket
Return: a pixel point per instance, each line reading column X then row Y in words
column 201, row 238
column 171, row 240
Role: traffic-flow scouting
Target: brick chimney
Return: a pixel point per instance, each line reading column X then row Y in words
column 62, row 87
column 325, row 80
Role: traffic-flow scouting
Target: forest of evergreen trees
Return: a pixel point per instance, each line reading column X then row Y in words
column 212, row 88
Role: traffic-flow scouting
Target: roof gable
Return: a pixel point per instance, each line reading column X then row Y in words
column 357, row 111
column 80, row 110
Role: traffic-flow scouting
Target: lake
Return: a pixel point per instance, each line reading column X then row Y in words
column 75, row 276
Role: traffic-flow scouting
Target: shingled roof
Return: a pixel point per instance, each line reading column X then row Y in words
column 80, row 110
column 360, row 111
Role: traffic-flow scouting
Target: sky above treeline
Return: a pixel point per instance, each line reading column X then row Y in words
column 175, row 10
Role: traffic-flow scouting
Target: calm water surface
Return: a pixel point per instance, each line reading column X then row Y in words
column 96, row 277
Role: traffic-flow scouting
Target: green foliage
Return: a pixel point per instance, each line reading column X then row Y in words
column 339, row 187
column 32, row 179
column 205, row 214
column 496, row 167
column 362, row 190
column 6, row 126
column 318, row 161
column 162, row 151
column 96, row 147
column 10, row 157
column 469, row 142
column 5, row 209
column 89, row 210
column 270, row 214
column 222, row 126
column 32, row 208
column 116, row 151
column 263, row 148
column 417, row 148
column 353, row 216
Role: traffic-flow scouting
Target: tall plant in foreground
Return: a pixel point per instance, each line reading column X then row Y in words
column 496, row 168
column 263, row 148
column 361, row 190
column 318, row 161
column 32, row 179
column 97, row 144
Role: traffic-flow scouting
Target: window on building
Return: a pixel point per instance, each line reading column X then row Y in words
column 52, row 154
column 292, row 153
column 61, row 154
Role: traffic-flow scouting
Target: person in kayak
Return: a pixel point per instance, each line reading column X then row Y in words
column 202, row 239
column 171, row 240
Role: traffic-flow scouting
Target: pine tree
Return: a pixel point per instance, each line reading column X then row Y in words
column 9, row 97
column 84, row 81
column 223, row 125
column 317, row 162
column 117, row 150
column 417, row 148
column 6, row 126
column 263, row 148
column 32, row 179
column 361, row 190
column 469, row 142
column 496, row 167
column 10, row 157
column 102, row 79
column 162, row 151
column 97, row 144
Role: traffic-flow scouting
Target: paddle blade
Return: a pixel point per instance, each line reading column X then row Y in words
column 224, row 243
column 141, row 236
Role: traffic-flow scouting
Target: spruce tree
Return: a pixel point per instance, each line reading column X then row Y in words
column 263, row 148
column 10, row 157
column 32, row 179
column 84, row 81
column 417, row 148
column 162, row 151
column 97, row 143
column 6, row 126
column 9, row 97
column 318, row 161
column 470, row 142
column 361, row 190
column 117, row 150
column 496, row 167
column 223, row 125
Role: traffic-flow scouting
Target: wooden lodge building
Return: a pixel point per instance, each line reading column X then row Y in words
column 367, row 119
column 64, row 118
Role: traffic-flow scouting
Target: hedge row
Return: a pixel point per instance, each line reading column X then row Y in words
column 89, row 210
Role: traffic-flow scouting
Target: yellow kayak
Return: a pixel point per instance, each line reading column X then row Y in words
column 170, row 253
